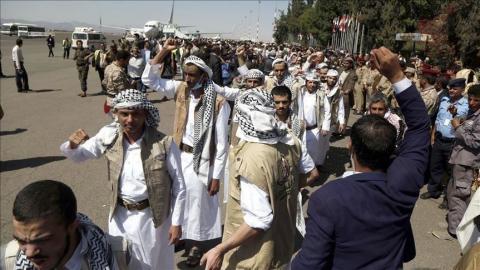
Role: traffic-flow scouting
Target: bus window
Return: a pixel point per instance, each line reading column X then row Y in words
column 94, row 37
column 79, row 36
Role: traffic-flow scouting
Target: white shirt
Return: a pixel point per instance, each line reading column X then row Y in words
column 135, row 66
column 132, row 171
column 255, row 203
column 132, row 185
column 309, row 108
column 17, row 56
column 343, row 76
column 167, row 87
column 328, row 111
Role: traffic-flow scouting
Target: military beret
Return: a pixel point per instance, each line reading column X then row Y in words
column 430, row 72
column 459, row 82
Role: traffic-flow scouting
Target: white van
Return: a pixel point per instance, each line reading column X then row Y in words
column 88, row 36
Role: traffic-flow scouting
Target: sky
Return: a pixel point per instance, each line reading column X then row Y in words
column 238, row 17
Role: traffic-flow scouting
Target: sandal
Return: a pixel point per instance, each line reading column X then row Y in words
column 194, row 257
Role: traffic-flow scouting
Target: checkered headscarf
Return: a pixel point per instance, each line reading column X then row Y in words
column 197, row 61
column 134, row 99
column 256, row 117
column 255, row 74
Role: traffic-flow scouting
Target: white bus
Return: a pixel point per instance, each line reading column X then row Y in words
column 31, row 31
column 10, row 29
column 88, row 36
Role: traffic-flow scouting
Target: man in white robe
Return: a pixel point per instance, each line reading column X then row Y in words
column 201, row 130
column 138, row 212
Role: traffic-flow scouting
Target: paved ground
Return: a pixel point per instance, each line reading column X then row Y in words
column 35, row 124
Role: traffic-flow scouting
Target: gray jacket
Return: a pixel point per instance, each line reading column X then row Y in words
column 466, row 150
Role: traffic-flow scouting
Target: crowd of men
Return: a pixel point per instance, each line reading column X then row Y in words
column 257, row 119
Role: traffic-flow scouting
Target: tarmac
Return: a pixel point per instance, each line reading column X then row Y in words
column 36, row 123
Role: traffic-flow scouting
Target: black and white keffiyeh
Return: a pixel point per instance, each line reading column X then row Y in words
column 98, row 253
column 197, row 61
column 255, row 74
column 203, row 122
column 295, row 125
column 256, row 117
column 203, row 117
column 135, row 99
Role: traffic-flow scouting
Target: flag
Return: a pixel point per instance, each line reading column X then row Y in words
column 342, row 23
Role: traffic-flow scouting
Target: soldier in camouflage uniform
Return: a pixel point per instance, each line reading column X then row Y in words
column 369, row 78
column 428, row 93
column 358, row 93
column 81, row 60
column 116, row 79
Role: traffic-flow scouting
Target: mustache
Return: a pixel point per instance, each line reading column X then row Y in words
column 38, row 257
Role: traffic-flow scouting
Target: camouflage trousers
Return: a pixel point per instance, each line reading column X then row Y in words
column 82, row 76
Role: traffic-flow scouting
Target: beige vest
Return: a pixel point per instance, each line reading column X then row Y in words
column 273, row 169
column 182, row 102
column 154, row 150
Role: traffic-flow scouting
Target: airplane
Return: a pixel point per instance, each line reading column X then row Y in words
column 155, row 29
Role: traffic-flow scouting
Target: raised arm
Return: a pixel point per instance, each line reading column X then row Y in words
column 413, row 152
column 151, row 76
column 80, row 147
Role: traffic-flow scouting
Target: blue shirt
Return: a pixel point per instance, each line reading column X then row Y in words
column 444, row 117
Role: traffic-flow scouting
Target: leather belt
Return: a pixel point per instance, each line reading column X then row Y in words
column 311, row 127
column 134, row 206
column 186, row 148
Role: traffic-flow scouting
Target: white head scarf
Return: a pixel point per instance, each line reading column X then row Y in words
column 255, row 74
column 192, row 59
column 134, row 99
column 256, row 118
column 332, row 73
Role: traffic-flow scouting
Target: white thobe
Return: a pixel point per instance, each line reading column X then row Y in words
column 150, row 249
column 202, row 211
column 317, row 144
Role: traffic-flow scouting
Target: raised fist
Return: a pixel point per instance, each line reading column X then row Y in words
column 77, row 137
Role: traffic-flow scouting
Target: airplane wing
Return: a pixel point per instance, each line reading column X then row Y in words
column 184, row 26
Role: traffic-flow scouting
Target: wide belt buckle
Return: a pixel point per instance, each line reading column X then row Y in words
column 130, row 206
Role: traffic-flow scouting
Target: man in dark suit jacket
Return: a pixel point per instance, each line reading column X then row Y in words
column 363, row 221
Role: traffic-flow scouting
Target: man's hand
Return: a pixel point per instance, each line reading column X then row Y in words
column 212, row 259
column 213, row 187
column 341, row 128
column 174, row 234
column 453, row 110
column 324, row 132
column 387, row 64
column 170, row 44
column 240, row 52
column 77, row 138
column 456, row 122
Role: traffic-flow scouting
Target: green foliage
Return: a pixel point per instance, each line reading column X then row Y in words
column 459, row 36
